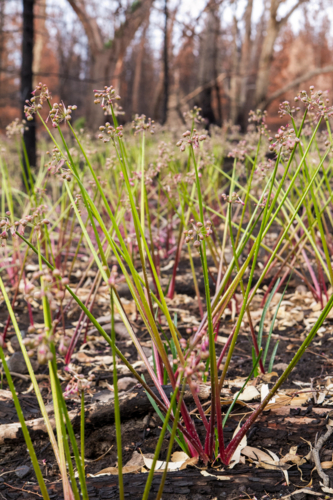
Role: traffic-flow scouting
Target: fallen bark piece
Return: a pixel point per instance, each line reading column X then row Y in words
column 132, row 404
column 187, row 483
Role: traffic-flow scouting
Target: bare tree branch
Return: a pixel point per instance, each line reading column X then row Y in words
column 284, row 19
column 201, row 88
column 303, row 78
column 90, row 26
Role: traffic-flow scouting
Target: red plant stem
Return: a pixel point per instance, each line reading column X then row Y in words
column 209, row 443
column 232, row 446
column 274, row 246
column 158, row 364
column 199, row 406
column 322, row 280
column 78, row 330
column 167, row 242
column 224, row 350
column 171, row 291
column 273, row 281
column 254, row 340
column 31, row 319
column 74, row 340
column 216, row 328
column 219, row 423
column 9, row 269
column 311, row 271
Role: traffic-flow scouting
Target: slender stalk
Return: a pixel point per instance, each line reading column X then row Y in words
column 25, row 431
column 116, row 402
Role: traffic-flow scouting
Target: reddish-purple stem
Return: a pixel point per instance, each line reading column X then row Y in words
column 172, row 285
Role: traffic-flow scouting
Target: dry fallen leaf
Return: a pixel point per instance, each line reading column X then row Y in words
column 221, row 340
column 326, row 465
column 220, row 478
column 5, row 394
column 172, row 466
column 321, row 397
column 326, row 489
column 303, row 490
column 263, row 393
column 249, row 393
column 179, row 456
column 114, row 471
column 237, row 455
column 190, row 461
column 267, row 376
column 277, row 460
column 255, row 454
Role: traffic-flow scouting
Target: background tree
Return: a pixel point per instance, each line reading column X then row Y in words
column 223, row 57
column 107, row 56
column 208, row 63
column 27, row 78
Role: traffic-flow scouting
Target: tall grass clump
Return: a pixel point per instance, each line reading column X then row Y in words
column 132, row 204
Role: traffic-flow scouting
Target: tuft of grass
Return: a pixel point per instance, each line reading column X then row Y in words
column 131, row 204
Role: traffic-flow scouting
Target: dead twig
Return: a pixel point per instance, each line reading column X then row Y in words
column 315, row 455
column 22, row 489
column 303, row 490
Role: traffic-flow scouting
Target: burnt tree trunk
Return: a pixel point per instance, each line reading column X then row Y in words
column 138, row 72
column 27, row 80
column 166, row 67
column 107, row 56
column 207, row 63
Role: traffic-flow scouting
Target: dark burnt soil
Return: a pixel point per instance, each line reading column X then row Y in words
column 277, row 430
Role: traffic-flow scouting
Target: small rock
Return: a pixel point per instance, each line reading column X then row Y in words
column 104, row 319
column 49, row 408
column 119, row 328
column 151, row 361
column 280, row 366
column 103, row 396
column 137, row 459
column 121, row 331
column 22, row 471
column 15, row 343
column 17, row 364
column 148, row 352
column 107, row 360
column 301, row 289
column 125, row 383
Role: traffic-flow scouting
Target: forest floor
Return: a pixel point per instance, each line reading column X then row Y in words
column 288, row 428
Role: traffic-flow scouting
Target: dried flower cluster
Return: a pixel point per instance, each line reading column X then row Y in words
column 107, row 98
column 57, row 165
column 190, row 139
column 77, row 384
column 142, row 124
column 316, row 102
column 109, row 132
column 41, row 94
column 40, row 343
column 198, row 233
column 233, row 198
column 17, row 127
column 60, row 113
column 284, row 141
column 193, row 115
